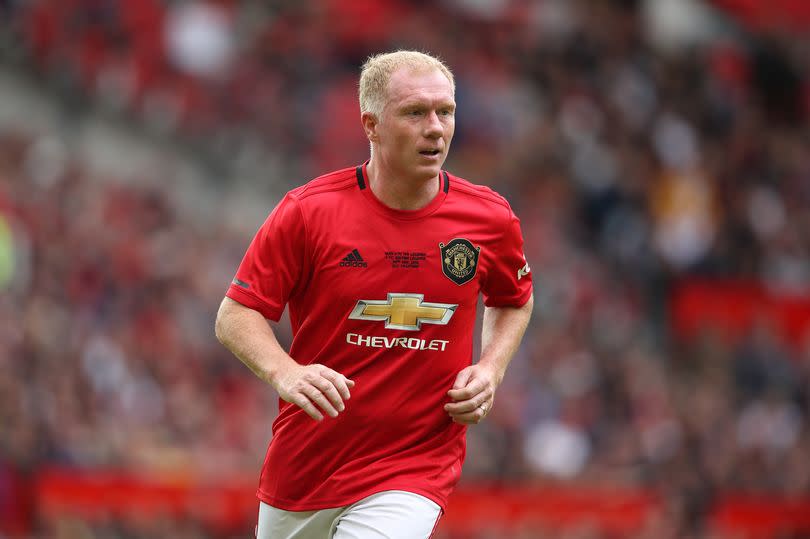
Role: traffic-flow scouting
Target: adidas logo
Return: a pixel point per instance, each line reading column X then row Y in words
column 354, row 260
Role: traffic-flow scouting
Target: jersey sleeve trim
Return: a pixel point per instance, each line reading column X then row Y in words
column 515, row 303
column 251, row 301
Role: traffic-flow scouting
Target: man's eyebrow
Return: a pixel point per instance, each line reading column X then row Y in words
column 423, row 104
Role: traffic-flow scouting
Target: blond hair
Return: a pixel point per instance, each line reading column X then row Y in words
column 377, row 71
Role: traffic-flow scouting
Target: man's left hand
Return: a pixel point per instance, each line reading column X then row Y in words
column 473, row 394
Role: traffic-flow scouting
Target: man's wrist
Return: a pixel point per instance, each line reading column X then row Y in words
column 497, row 372
column 277, row 369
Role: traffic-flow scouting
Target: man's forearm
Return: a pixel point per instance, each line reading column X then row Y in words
column 249, row 337
column 474, row 388
column 314, row 388
column 502, row 332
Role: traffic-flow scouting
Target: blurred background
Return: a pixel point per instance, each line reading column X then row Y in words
column 657, row 153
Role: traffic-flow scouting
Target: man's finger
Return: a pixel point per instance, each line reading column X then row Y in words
column 466, row 406
column 329, row 390
column 302, row 402
column 464, row 393
column 461, row 378
column 470, row 418
column 318, row 398
column 340, row 382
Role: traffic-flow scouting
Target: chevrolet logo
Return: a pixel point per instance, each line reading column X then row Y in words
column 403, row 311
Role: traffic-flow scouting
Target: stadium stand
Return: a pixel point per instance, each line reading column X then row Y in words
column 662, row 176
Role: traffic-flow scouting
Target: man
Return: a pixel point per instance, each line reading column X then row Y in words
column 381, row 266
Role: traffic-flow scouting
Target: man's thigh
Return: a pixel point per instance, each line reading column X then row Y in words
column 393, row 514
column 279, row 524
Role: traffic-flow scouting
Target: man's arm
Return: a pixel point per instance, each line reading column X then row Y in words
column 247, row 334
column 473, row 392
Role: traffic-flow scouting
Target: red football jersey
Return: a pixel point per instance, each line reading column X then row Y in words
column 387, row 298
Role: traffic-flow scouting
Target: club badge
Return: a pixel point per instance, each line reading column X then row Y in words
column 459, row 260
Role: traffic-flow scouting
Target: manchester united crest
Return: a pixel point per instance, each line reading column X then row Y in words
column 459, row 260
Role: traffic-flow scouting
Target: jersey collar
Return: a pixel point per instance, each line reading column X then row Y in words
column 433, row 205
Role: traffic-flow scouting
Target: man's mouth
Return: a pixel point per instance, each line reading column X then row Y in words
column 430, row 152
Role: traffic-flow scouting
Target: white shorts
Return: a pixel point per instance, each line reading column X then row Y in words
column 392, row 514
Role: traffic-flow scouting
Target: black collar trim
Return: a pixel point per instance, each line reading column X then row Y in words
column 361, row 182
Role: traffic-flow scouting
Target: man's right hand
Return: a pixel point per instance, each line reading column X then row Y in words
column 314, row 388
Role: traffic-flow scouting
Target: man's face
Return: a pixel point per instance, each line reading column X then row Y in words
column 413, row 136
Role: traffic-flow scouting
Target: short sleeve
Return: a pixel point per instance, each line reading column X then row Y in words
column 509, row 279
column 274, row 263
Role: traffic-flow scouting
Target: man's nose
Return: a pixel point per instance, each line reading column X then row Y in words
column 434, row 127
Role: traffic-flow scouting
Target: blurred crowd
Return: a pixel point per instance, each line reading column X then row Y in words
column 632, row 170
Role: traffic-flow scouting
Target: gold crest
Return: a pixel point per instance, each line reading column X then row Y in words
column 459, row 260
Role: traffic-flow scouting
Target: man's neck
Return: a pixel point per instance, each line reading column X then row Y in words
column 401, row 193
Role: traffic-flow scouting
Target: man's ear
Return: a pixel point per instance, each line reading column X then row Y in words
column 370, row 123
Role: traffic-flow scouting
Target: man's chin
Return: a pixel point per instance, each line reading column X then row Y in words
column 421, row 171
column 429, row 171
